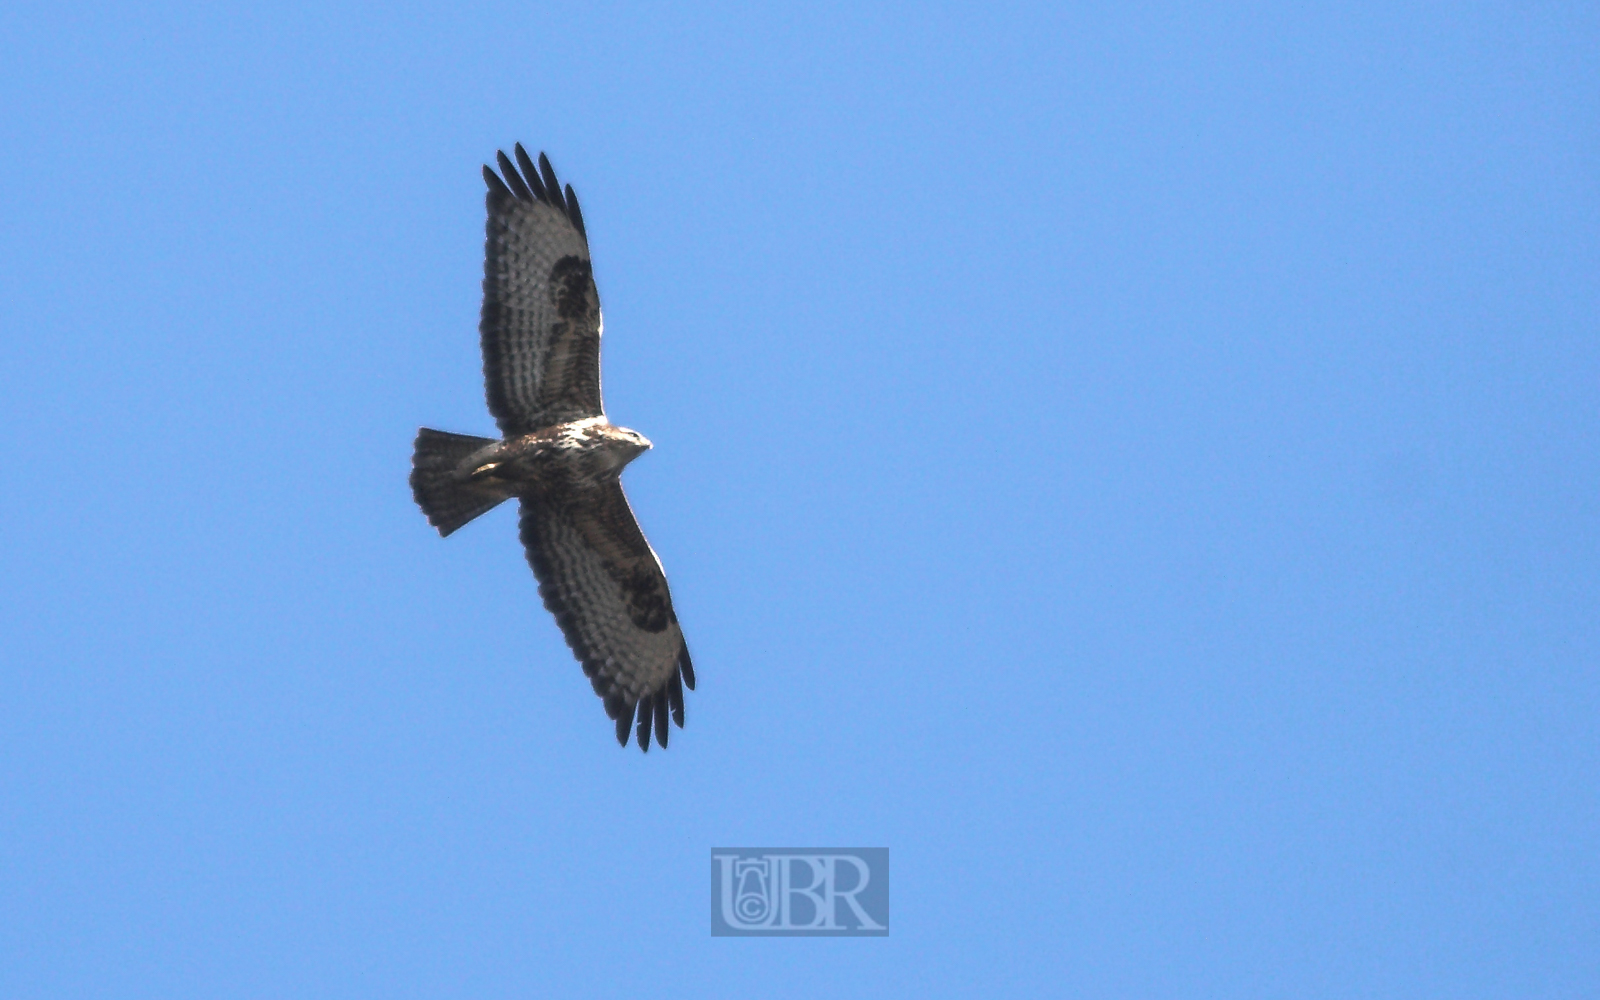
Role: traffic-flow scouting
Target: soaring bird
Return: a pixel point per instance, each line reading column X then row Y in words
column 559, row 455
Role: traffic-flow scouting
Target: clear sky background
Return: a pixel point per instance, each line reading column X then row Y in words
column 1136, row 462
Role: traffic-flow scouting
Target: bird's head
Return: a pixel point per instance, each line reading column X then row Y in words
column 633, row 440
column 626, row 445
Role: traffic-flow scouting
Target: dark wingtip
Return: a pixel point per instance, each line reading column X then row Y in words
column 534, row 182
column 686, row 668
column 552, row 187
column 660, row 704
column 574, row 213
column 513, row 179
column 530, row 172
column 646, row 716
column 675, row 698
column 496, row 185
column 624, row 723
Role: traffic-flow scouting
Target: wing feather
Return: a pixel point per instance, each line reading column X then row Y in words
column 552, row 187
column 659, row 701
column 531, row 173
column 604, row 585
column 513, row 179
column 646, row 716
column 540, row 326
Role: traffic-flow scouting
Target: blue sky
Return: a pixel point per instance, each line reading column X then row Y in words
column 1135, row 462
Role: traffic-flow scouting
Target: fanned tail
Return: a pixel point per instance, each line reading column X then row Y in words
column 448, row 500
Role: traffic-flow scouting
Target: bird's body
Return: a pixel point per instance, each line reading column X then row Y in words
column 561, row 462
column 560, row 456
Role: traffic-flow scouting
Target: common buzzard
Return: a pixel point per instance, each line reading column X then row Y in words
column 559, row 455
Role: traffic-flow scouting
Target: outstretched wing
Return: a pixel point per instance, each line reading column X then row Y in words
column 541, row 313
column 604, row 584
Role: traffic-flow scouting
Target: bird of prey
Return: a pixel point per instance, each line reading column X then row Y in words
column 559, row 455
